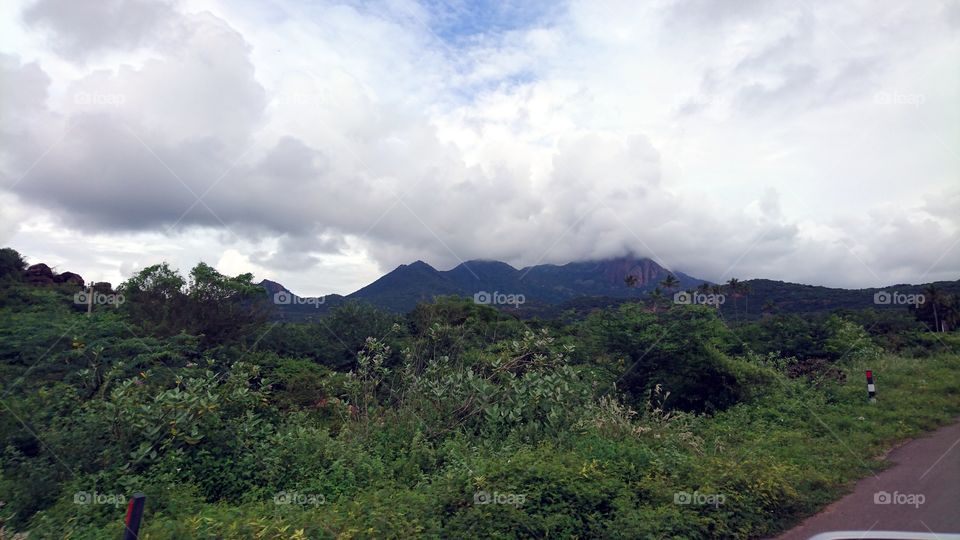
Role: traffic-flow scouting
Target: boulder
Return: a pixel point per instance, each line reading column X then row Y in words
column 39, row 269
column 69, row 278
column 38, row 274
column 103, row 287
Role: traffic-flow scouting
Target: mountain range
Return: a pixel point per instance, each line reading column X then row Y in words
column 534, row 287
column 547, row 289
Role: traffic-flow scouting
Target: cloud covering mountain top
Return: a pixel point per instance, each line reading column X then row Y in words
column 321, row 143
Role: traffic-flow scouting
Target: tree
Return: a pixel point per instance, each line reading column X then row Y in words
column 745, row 292
column 736, row 289
column 670, row 282
column 224, row 308
column 219, row 307
column 155, row 298
column 679, row 349
column 656, row 298
column 716, row 291
column 630, row 280
column 12, row 264
column 938, row 310
column 934, row 297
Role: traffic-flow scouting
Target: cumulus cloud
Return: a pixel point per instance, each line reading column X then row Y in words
column 78, row 29
column 721, row 140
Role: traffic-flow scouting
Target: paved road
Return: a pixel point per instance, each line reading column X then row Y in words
column 923, row 491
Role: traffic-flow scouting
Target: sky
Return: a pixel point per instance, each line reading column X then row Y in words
column 321, row 144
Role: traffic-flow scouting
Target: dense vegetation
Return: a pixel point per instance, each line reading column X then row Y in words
column 454, row 420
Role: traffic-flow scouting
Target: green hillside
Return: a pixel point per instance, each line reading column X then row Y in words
column 452, row 420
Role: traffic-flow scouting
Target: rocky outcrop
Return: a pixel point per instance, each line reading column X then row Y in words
column 103, row 287
column 69, row 278
column 646, row 271
column 40, row 274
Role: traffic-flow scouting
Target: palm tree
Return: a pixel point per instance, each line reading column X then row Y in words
column 716, row 291
column 630, row 280
column 745, row 292
column 768, row 308
column 933, row 295
column 736, row 289
column 656, row 298
column 951, row 312
column 670, row 282
column 733, row 289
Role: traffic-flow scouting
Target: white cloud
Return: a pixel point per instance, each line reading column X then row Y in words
column 754, row 140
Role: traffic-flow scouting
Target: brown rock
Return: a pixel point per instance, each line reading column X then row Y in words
column 69, row 278
column 646, row 271
column 39, row 270
column 38, row 274
column 103, row 287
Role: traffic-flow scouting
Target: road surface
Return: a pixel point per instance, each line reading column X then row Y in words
column 921, row 493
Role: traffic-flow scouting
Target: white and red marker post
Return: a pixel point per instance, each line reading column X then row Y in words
column 131, row 525
column 871, row 389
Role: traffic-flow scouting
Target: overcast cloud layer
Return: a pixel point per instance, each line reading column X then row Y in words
column 321, row 144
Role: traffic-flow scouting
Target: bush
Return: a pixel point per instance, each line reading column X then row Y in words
column 679, row 349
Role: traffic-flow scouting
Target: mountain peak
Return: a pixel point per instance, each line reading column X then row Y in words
column 273, row 287
column 485, row 265
column 545, row 284
column 417, row 265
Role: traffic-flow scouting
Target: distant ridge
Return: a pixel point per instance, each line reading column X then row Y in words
column 541, row 285
column 549, row 289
